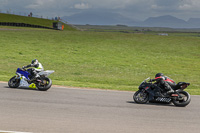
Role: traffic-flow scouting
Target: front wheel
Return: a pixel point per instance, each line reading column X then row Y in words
column 44, row 85
column 140, row 97
column 183, row 99
column 14, row 82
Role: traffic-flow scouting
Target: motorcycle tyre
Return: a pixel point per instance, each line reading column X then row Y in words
column 41, row 88
column 15, row 85
column 182, row 104
column 140, row 102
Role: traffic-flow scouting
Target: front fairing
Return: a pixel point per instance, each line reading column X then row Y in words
column 142, row 85
column 23, row 73
column 145, row 84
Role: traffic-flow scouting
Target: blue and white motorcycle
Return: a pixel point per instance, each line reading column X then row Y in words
column 22, row 79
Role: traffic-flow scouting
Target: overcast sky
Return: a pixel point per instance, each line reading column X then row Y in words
column 134, row 9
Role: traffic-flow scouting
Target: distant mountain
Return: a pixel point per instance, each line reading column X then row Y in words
column 194, row 22
column 172, row 22
column 165, row 21
column 98, row 18
column 108, row 18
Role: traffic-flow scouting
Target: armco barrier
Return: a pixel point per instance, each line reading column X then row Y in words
column 24, row 25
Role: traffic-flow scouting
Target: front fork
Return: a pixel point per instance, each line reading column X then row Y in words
column 17, row 78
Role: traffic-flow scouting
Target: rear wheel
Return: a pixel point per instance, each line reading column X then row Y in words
column 44, row 85
column 183, row 99
column 140, row 97
column 14, row 82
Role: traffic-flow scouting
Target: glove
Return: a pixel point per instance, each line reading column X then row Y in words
column 151, row 80
column 23, row 67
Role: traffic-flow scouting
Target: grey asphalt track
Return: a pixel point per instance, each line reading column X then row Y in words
column 73, row 110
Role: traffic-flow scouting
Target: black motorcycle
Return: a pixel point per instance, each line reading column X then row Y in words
column 147, row 93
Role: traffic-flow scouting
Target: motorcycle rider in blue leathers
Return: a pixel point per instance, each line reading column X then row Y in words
column 36, row 67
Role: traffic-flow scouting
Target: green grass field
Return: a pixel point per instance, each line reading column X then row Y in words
column 132, row 29
column 107, row 60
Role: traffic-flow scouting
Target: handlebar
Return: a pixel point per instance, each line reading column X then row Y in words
column 151, row 80
column 23, row 69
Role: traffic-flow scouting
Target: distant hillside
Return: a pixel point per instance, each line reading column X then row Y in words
column 98, row 18
column 30, row 20
column 107, row 18
column 165, row 21
column 195, row 22
column 172, row 22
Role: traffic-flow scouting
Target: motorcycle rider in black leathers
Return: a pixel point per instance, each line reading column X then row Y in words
column 164, row 82
column 36, row 67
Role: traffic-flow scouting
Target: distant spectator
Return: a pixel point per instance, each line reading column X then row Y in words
column 31, row 14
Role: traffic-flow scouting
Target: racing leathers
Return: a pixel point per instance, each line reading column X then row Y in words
column 165, row 83
column 35, row 69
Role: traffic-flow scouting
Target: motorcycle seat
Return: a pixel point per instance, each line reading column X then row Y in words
column 180, row 84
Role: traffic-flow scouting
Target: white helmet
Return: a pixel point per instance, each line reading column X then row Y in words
column 34, row 62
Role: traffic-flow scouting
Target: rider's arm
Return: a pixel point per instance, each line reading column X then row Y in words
column 152, row 80
column 30, row 65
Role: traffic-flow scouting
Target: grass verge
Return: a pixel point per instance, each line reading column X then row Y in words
column 116, row 61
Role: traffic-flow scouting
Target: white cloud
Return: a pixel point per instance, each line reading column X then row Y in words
column 155, row 7
column 185, row 7
column 190, row 5
column 140, row 9
column 38, row 4
column 82, row 6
